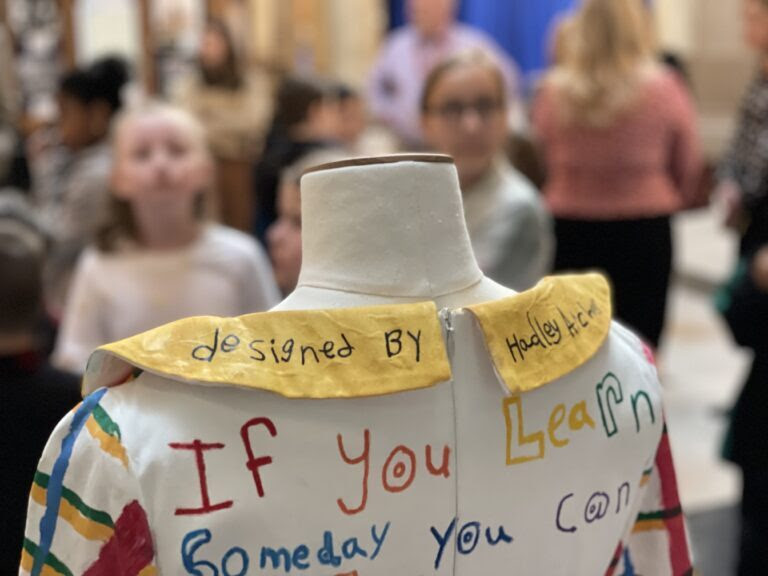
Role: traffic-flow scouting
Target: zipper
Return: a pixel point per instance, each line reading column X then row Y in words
column 446, row 318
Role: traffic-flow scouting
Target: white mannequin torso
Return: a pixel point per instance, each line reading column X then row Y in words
column 223, row 453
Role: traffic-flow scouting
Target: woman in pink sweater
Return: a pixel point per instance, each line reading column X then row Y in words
column 618, row 137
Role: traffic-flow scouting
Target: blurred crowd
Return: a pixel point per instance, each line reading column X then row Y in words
column 127, row 212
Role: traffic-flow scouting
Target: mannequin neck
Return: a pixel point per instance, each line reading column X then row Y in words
column 390, row 229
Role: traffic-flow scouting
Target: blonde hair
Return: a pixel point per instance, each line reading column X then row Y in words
column 610, row 46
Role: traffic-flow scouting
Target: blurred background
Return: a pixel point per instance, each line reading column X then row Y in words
column 338, row 42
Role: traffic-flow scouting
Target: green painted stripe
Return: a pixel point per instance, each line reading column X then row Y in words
column 42, row 479
column 92, row 514
column 648, row 472
column 50, row 560
column 105, row 422
column 659, row 514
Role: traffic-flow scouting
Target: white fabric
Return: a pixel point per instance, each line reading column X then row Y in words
column 116, row 295
column 510, row 230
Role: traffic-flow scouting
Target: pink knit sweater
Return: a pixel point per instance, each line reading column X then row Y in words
column 646, row 164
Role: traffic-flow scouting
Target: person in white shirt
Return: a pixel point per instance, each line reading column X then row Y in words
column 158, row 260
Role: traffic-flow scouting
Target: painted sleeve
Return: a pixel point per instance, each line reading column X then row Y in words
column 657, row 542
column 85, row 516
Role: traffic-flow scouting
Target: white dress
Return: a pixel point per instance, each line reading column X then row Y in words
column 354, row 441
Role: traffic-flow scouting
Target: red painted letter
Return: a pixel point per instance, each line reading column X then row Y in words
column 253, row 464
column 207, row 507
column 401, row 470
column 445, row 467
column 364, row 457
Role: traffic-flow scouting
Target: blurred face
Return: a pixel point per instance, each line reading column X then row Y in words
column 74, row 124
column 351, row 119
column 160, row 163
column 431, row 17
column 756, row 25
column 466, row 118
column 284, row 237
column 213, row 49
column 324, row 119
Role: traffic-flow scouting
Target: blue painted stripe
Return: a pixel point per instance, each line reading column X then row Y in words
column 629, row 569
column 56, row 482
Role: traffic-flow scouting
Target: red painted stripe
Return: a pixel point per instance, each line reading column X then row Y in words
column 130, row 549
column 680, row 557
column 649, row 354
column 615, row 560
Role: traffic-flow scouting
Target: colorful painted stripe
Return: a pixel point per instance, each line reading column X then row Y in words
column 615, row 560
column 106, row 423
column 629, row 568
column 646, row 476
column 130, row 547
column 107, row 433
column 92, row 524
column 649, row 354
column 56, row 482
column 52, row 567
column 658, row 516
column 680, row 556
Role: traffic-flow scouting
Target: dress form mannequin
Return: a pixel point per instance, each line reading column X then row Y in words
column 387, row 230
column 433, row 477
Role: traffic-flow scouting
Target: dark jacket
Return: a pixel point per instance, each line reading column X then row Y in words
column 745, row 309
column 33, row 398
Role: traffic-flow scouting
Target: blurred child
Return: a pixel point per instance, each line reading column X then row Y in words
column 352, row 120
column 354, row 132
column 232, row 101
column 158, row 261
column 464, row 111
column 306, row 117
column 71, row 180
column 284, row 235
column 33, row 396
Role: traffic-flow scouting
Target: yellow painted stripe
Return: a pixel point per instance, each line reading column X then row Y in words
column 149, row 571
column 86, row 528
column 27, row 561
column 37, row 493
column 645, row 480
column 108, row 443
column 648, row 526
